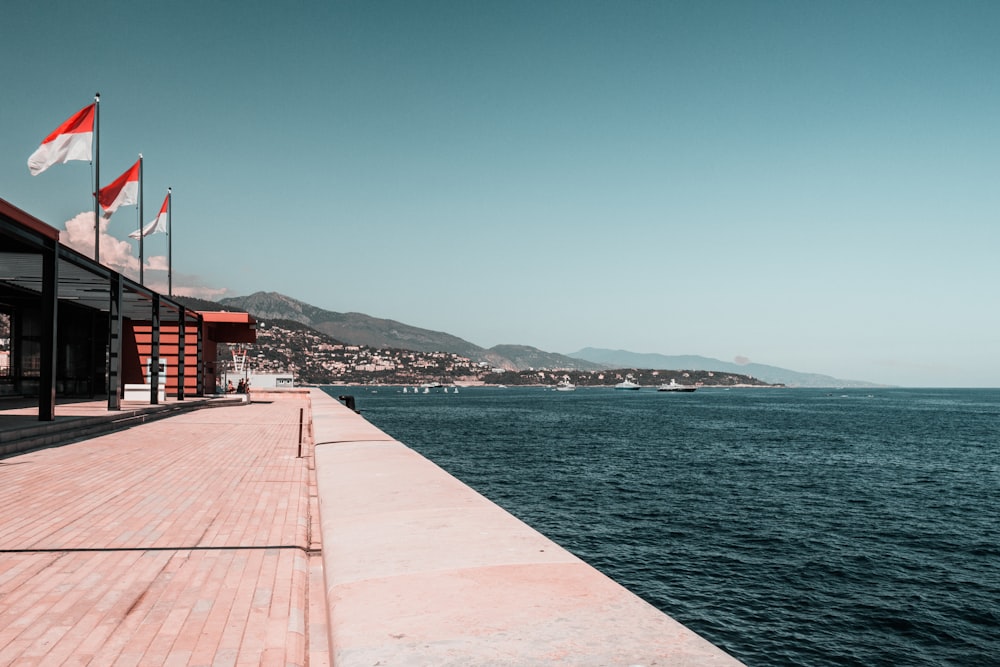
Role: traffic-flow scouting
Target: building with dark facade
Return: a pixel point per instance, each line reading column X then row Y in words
column 80, row 329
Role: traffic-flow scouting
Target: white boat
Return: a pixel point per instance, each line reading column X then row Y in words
column 673, row 386
column 565, row 385
column 628, row 383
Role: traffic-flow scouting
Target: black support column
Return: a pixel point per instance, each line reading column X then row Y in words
column 201, row 358
column 154, row 354
column 181, row 331
column 115, row 342
column 49, row 323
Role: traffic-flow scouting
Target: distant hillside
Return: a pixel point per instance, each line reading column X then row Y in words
column 204, row 305
column 356, row 328
column 525, row 357
column 770, row 374
column 374, row 332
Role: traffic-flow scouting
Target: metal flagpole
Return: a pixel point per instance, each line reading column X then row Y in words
column 97, row 178
column 140, row 221
column 170, row 244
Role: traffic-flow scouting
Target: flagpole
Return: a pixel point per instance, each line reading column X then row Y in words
column 97, row 178
column 140, row 222
column 170, row 245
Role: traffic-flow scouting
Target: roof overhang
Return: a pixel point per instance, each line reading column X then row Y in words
column 81, row 280
column 229, row 327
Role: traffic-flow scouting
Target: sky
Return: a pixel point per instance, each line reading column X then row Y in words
column 810, row 185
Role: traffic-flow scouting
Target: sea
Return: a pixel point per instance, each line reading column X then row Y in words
column 786, row 526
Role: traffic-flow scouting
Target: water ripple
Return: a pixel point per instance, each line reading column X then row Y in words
column 791, row 527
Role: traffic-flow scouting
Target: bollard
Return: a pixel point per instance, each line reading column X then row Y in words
column 301, row 414
column 348, row 401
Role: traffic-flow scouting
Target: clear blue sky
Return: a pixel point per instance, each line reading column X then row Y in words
column 812, row 185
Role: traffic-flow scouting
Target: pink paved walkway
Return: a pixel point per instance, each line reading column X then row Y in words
column 187, row 541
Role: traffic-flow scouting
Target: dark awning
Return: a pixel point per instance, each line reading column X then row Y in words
column 37, row 272
column 80, row 279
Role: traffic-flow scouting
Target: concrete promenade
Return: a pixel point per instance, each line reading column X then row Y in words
column 203, row 539
column 184, row 541
column 422, row 570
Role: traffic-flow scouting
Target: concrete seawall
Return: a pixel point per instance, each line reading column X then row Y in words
column 422, row 570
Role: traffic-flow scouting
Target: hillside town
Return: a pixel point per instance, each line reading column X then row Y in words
column 313, row 358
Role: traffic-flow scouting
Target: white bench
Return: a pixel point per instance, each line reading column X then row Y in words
column 140, row 392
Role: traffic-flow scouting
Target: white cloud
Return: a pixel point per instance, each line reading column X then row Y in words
column 210, row 293
column 118, row 255
column 157, row 263
column 115, row 254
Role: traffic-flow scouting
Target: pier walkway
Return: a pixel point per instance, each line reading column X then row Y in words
column 190, row 540
column 194, row 539
column 421, row 570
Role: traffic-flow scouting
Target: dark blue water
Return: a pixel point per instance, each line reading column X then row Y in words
column 788, row 526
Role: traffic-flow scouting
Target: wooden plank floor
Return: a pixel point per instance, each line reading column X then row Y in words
column 186, row 541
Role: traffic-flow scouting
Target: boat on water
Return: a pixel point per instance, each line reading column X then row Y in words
column 565, row 385
column 628, row 383
column 673, row 386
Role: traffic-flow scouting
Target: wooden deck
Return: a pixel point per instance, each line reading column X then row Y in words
column 191, row 540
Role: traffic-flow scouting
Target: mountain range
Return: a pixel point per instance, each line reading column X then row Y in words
column 360, row 329
column 770, row 374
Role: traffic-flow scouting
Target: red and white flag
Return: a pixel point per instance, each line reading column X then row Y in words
column 157, row 225
column 122, row 191
column 70, row 141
